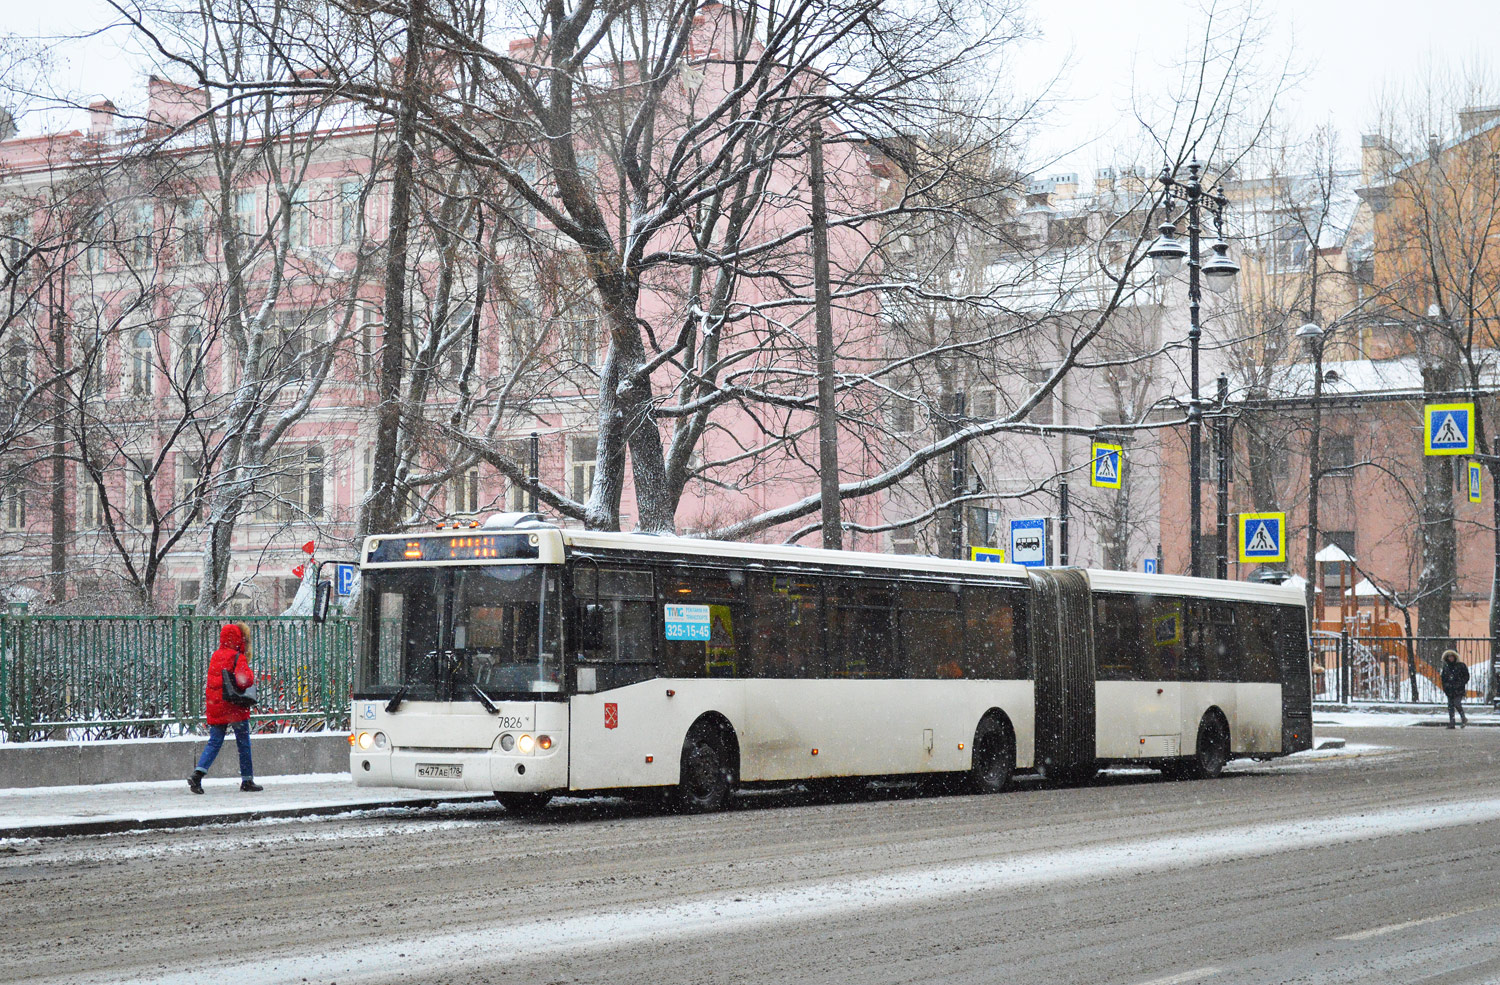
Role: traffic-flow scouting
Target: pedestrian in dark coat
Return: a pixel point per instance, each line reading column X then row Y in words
column 1455, row 683
column 232, row 655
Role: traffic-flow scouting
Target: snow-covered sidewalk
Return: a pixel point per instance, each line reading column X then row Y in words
column 1479, row 717
column 47, row 811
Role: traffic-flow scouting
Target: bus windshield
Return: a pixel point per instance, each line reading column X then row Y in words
column 441, row 633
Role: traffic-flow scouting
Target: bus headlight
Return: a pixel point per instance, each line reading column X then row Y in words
column 526, row 744
column 365, row 741
column 507, row 742
column 381, row 741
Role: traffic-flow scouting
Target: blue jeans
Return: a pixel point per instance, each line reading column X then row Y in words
column 216, row 740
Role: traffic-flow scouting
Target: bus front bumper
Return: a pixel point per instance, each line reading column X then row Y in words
column 460, row 770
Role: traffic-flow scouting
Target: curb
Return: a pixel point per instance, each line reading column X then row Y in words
column 116, row 825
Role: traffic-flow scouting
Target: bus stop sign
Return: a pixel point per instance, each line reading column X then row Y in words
column 1028, row 541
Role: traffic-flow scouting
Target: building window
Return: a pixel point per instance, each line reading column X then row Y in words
column 17, row 231
column 187, row 590
column 312, row 474
column 457, row 332
column 143, row 228
column 139, row 379
column 583, row 341
column 193, row 240
column 904, row 539
column 293, row 486
column 190, row 360
column 1044, row 410
column 984, row 404
column 902, row 414
column 463, row 492
column 299, row 220
column 351, row 212
column 13, row 507
column 585, row 452
column 90, row 504
column 17, row 372
column 138, row 493
column 246, row 219
column 189, row 474
column 1337, row 453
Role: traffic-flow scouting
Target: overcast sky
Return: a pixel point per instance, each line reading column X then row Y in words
column 1349, row 50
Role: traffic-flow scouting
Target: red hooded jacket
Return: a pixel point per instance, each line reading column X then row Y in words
column 229, row 656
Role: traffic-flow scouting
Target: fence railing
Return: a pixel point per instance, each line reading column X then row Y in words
column 1404, row 669
column 103, row 677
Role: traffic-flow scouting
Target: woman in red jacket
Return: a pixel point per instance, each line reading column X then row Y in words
column 232, row 655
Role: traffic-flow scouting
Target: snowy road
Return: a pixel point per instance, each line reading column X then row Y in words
column 1373, row 868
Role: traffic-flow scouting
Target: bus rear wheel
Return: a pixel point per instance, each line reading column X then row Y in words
column 706, row 778
column 523, row 804
column 994, row 760
column 1213, row 749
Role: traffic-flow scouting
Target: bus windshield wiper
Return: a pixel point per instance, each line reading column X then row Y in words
column 456, row 668
column 395, row 702
column 484, row 699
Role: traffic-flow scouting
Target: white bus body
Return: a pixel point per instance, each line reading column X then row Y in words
column 636, row 735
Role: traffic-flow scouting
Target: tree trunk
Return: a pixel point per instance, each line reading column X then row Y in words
column 828, row 418
column 381, row 508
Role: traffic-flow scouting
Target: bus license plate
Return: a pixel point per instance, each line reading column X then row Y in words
column 442, row 771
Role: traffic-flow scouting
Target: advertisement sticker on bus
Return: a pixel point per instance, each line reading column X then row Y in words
column 687, row 622
column 1167, row 629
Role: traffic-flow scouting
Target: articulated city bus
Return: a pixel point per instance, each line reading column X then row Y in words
column 529, row 660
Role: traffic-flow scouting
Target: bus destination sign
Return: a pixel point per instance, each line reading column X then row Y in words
column 467, row 547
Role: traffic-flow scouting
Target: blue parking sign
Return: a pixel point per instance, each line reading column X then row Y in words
column 343, row 578
column 1149, row 566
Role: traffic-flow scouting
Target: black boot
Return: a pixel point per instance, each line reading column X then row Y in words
column 195, row 782
column 250, row 786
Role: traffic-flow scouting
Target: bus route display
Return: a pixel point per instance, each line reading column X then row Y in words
column 462, row 547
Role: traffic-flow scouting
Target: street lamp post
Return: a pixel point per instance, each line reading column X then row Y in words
column 1216, row 273
column 1316, row 339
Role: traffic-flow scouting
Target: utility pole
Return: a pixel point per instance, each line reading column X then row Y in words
column 58, row 587
column 828, row 418
column 1062, row 523
column 959, row 477
column 1221, row 449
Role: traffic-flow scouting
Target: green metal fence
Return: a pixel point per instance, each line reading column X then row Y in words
column 72, row 677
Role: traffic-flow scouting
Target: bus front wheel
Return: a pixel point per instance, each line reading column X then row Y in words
column 994, row 759
column 706, row 777
column 523, row 804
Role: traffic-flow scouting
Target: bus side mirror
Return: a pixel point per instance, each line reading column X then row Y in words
column 590, row 626
column 321, row 597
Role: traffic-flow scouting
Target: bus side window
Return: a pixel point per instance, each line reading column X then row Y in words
column 860, row 613
column 1257, row 644
column 621, row 605
column 994, row 636
column 705, row 621
column 1161, row 621
column 1117, row 638
column 786, row 640
column 931, row 633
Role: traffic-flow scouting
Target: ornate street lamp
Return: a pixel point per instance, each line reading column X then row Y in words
column 1216, row 273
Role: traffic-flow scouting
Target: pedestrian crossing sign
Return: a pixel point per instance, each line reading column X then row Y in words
column 994, row 555
column 1476, row 483
column 1106, row 470
column 1449, row 429
column 1262, row 537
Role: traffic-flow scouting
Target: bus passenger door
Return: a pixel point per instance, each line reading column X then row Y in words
column 1062, row 648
